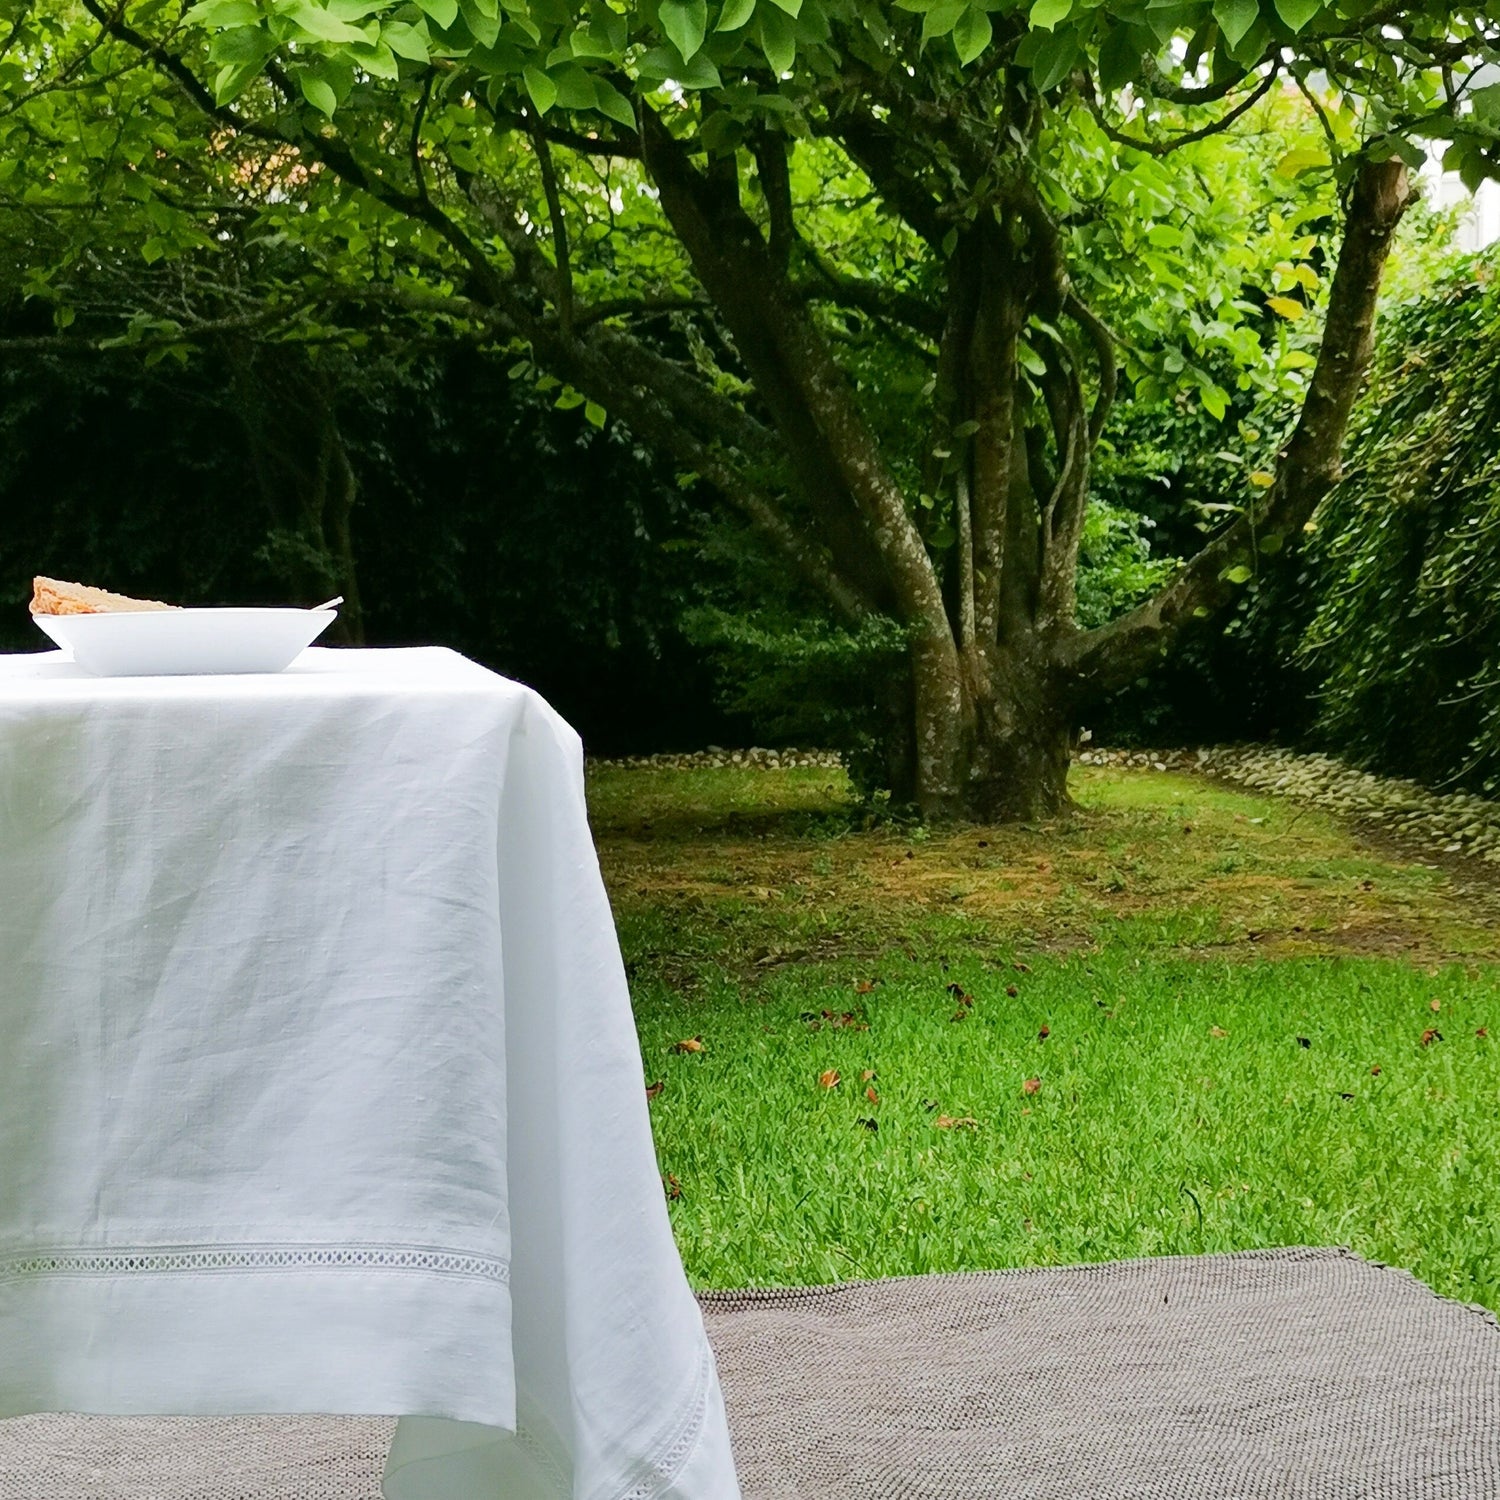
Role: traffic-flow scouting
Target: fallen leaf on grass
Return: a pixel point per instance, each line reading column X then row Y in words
column 1431, row 1035
column 959, row 1015
column 1435, row 1004
column 1021, row 968
column 1217, row 1032
column 848, row 1018
column 1375, row 1071
column 1044, row 1033
column 960, row 994
column 673, row 1187
column 829, row 1079
column 864, row 987
column 1483, row 1031
column 653, row 1089
column 1012, row 991
column 963, row 1122
column 1032, row 1086
column 692, row 1044
column 872, row 1096
column 867, row 1075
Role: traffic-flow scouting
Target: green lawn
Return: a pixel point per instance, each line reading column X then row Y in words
column 1234, row 994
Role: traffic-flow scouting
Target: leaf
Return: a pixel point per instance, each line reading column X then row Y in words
column 1297, row 13
column 653, row 1090
column 318, row 23
column 1217, row 1032
column 444, row 12
column 829, row 1079
column 1044, row 1033
column 1435, row 1004
column 1032, row 1086
column 972, row 33
column 960, row 994
column 1482, row 1032
column 225, row 13
column 1299, row 160
column 318, row 92
column 608, row 100
column 1262, row 479
column 405, row 40
column 864, row 987
column 1054, row 60
column 867, row 1075
column 736, row 13
column 871, row 1095
column 941, row 19
column 690, row 1044
column 1119, row 59
column 594, row 414
column 793, row 8
column 1431, row 1035
column 685, row 22
column 379, row 62
column 673, row 1187
column 1047, row 13
column 1235, row 18
column 961, row 1122
column 1286, row 307
column 778, row 38
column 541, row 88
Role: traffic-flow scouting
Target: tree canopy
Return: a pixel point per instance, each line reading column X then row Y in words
column 872, row 271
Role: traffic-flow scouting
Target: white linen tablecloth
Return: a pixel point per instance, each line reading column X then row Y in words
column 319, row 1087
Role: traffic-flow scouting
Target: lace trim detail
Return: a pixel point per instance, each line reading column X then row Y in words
column 655, row 1473
column 155, row 1260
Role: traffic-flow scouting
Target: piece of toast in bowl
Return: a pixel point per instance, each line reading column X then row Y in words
column 51, row 596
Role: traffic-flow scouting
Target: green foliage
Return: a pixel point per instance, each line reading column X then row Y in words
column 799, row 680
column 485, row 520
column 1405, row 561
column 1116, row 569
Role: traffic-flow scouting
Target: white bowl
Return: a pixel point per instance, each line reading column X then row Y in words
column 187, row 642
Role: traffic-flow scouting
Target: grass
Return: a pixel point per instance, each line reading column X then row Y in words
column 1220, row 977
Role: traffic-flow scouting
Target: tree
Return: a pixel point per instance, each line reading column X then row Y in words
column 707, row 221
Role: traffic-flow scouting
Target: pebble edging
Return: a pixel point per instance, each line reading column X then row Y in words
column 1450, row 822
column 716, row 757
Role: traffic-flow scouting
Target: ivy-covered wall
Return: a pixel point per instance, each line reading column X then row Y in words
column 1403, row 570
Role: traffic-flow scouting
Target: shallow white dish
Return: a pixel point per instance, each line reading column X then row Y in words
column 187, row 642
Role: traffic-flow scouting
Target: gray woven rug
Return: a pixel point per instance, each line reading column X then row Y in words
column 1271, row 1375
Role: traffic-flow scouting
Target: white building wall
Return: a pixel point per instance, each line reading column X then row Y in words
column 1479, row 224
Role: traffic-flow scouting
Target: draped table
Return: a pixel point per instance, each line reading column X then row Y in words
column 319, row 1087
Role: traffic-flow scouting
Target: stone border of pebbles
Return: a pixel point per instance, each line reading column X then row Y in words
column 716, row 757
column 1447, row 822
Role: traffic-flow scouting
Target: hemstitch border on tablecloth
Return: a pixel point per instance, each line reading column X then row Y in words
column 197, row 1260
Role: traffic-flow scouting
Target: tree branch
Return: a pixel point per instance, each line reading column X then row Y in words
column 1106, row 658
column 776, row 188
column 559, row 233
column 1165, row 148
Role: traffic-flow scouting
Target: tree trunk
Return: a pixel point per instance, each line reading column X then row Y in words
column 1009, row 738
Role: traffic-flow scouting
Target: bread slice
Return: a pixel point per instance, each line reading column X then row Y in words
column 51, row 596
